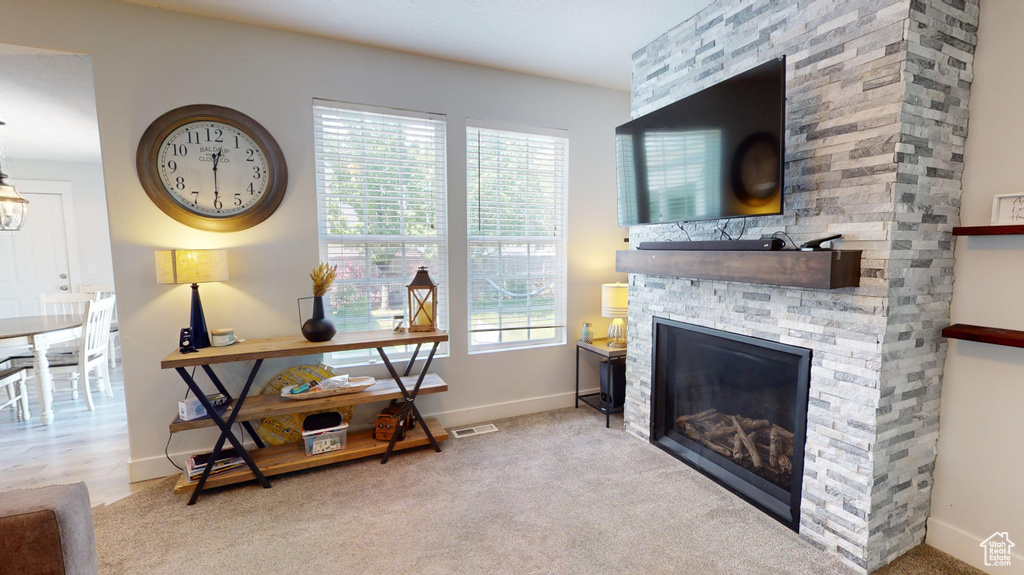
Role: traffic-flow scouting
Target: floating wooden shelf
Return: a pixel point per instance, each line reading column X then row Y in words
column 260, row 406
column 988, row 230
column 292, row 457
column 993, row 335
column 822, row 270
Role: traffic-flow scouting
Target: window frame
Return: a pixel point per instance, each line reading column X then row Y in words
column 561, row 140
column 440, row 240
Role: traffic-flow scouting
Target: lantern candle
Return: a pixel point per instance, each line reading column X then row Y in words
column 423, row 315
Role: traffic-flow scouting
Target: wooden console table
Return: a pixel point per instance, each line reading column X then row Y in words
column 267, row 461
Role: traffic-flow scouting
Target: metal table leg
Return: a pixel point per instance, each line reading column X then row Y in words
column 225, row 428
column 410, row 397
column 220, row 387
column 577, row 377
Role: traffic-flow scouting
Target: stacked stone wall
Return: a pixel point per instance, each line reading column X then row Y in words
column 877, row 92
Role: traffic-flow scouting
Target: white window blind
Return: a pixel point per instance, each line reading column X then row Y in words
column 381, row 204
column 517, row 212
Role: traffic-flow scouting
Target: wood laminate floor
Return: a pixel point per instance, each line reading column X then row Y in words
column 80, row 445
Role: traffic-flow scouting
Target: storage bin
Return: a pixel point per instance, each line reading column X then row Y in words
column 323, row 433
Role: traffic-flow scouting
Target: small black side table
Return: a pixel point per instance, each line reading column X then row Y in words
column 600, row 347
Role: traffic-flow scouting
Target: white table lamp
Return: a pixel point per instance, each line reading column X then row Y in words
column 614, row 304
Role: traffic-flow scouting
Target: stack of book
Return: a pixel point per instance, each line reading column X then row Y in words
column 228, row 459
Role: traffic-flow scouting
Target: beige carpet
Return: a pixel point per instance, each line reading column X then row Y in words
column 553, row 492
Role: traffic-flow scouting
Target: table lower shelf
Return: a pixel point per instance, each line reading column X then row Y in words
column 594, row 400
column 292, row 457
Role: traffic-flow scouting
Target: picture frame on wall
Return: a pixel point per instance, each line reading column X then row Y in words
column 1008, row 209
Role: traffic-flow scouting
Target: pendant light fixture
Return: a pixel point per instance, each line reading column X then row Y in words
column 13, row 207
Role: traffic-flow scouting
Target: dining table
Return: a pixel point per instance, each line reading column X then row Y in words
column 37, row 334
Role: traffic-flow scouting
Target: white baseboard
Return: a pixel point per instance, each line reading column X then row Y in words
column 967, row 547
column 494, row 411
column 158, row 466
column 153, row 467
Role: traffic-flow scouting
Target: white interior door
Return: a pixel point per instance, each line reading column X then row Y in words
column 35, row 258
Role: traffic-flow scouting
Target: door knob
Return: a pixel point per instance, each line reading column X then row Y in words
column 63, row 276
column 64, row 288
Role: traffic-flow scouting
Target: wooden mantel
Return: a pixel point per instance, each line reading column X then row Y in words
column 822, row 270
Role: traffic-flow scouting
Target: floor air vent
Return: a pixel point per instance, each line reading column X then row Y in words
column 478, row 430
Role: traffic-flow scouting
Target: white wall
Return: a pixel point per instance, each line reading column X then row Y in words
column 92, row 239
column 979, row 472
column 147, row 61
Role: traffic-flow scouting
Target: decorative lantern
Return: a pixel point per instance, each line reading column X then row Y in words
column 13, row 207
column 422, row 302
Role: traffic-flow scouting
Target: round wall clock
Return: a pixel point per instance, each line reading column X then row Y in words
column 212, row 168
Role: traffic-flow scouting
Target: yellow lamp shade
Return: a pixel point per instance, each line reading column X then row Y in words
column 191, row 266
column 614, row 300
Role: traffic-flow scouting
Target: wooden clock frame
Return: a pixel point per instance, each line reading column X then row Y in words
column 147, row 165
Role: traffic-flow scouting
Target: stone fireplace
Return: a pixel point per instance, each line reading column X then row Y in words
column 876, row 121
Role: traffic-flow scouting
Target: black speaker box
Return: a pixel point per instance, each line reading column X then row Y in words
column 613, row 383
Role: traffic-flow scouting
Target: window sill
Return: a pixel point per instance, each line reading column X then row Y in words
column 494, row 349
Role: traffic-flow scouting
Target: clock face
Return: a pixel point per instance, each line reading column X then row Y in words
column 212, row 168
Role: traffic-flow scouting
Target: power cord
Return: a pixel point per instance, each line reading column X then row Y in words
column 780, row 232
column 723, row 225
column 682, row 229
column 167, row 455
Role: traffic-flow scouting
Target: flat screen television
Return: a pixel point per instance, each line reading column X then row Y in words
column 715, row 154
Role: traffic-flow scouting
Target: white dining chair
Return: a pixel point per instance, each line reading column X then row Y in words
column 12, row 379
column 64, row 303
column 103, row 290
column 92, row 351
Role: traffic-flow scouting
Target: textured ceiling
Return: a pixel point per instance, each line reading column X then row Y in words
column 588, row 41
column 49, row 105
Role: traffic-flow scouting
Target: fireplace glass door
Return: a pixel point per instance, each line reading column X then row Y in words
column 735, row 408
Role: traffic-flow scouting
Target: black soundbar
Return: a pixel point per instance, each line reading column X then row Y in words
column 767, row 244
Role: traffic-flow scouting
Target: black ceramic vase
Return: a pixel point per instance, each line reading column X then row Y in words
column 317, row 328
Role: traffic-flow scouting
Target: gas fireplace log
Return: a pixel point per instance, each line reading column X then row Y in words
column 783, row 432
column 753, row 443
column 750, row 425
column 773, row 447
column 723, row 431
column 684, row 419
column 692, row 432
column 747, row 442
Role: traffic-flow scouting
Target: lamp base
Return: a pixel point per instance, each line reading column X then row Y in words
column 617, row 333
column 200, row 336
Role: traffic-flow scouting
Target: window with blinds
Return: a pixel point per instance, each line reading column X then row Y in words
column 381, row 205
column 517, row 192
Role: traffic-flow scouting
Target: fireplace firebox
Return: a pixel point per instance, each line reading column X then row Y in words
column 733, row 407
